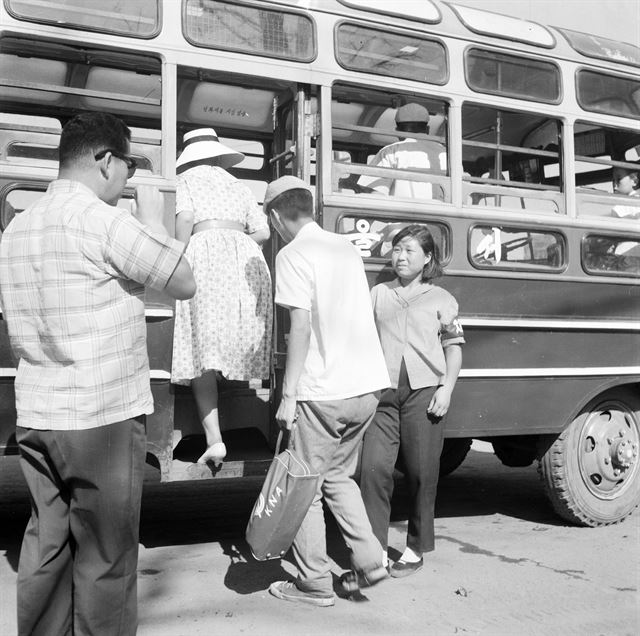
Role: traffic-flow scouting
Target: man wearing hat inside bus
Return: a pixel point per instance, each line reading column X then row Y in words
column 224, row 331
column 409, row 154
column 334, row 370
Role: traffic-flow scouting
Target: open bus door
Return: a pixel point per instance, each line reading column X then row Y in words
column 247, row 410
column 295, row 132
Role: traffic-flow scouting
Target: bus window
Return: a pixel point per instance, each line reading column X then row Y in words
column 383, row 52
column 135, row 18
column 372, row 235
column 255, row 30
column 511, row 159
column 609, row 94
column 602, row 155
column 16, row 200
column 516, row 248
column 371, row 156
column 59, row 80
column 611, row 255
column 512, row 76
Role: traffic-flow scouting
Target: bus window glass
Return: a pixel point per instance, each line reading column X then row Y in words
column 383, row 52
column 372, row 235
column 512, row 76
column 60, row 80
column 371, row 156
column 516, row 248
column 17, row 200
column 607, row 170
column 238, row 27
column 609, row 94
column 511, row 159
column 135, row 18
column 602, row 48
column 611, row 255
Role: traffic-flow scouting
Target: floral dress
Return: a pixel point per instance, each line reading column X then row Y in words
column 226, row 326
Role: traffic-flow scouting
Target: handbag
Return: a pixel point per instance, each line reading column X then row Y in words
column 285, row 498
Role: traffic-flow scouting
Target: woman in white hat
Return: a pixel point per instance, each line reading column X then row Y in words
column 225, row 329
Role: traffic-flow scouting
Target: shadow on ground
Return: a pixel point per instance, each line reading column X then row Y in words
column 182, row 513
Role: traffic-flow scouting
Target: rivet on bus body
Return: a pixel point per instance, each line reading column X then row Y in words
column 606, row 460
column 609, row 441
column 621, row 433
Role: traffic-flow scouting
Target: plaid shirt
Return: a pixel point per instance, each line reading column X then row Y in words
column 72, row 276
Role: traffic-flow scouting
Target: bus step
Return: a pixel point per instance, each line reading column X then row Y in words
column 248, row 455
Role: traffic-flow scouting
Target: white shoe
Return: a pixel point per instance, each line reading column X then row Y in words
column 214, row 454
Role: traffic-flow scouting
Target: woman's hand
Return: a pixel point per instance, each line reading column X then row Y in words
column 440, row 401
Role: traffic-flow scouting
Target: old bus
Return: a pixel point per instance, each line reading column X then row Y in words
column 532, row 123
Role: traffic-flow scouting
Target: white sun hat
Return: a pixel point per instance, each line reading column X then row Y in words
column 203, row 144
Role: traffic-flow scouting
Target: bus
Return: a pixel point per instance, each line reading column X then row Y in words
column 532, row 124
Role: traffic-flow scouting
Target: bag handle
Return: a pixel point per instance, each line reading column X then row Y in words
column 280, row 436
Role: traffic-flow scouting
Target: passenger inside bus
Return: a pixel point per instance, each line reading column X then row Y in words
column 410, row 154
column 626, row 181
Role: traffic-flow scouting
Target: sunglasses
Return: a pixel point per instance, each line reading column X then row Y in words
column 132, row 164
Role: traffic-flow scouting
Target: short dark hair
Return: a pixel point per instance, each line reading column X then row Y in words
column 89, row 133
column 293, row 204
column 433, row 269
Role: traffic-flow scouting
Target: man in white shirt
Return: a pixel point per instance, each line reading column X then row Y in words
column 409, row 154
column 335, row 369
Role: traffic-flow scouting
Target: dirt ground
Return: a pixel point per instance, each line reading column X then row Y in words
column 504, row 564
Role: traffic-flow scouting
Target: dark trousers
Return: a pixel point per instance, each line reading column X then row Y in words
column 78, row 564
column 402, row 426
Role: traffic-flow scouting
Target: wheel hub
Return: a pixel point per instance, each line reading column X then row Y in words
column 608, row 455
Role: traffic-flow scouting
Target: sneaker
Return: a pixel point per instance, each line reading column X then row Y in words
column 353, row 581
column 287, row 591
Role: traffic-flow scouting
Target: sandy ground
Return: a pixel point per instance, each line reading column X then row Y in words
column 504, row 565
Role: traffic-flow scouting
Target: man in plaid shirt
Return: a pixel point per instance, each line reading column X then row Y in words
column 73, row 268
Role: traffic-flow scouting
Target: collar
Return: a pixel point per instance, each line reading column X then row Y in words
column 68, row 185
column 309, row 228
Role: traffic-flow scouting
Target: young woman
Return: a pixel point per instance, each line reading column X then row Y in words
column 421, row 340
column 225, row 329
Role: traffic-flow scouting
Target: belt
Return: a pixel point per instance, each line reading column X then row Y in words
column 213, row 224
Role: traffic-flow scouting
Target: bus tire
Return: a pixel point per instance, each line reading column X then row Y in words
column 591, row 472
column 453, row 453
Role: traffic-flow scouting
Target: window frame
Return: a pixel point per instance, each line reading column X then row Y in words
column 606, row 74
column 504, row 95
column 605, row 235
column 272, row 9
column 506, row 266
column 92, row 29
column 407, row 33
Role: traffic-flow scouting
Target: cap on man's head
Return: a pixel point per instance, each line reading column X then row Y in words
column 411, row 113
column 280, row 186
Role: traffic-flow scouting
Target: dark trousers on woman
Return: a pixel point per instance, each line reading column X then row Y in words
column 403, row 427
column 78, row 564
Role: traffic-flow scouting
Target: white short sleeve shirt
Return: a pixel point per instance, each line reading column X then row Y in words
column 321, row 272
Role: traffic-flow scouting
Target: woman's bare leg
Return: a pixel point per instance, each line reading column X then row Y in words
column 205, row 391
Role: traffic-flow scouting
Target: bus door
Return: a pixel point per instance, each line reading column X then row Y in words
column 262, row 118
column 296, row 127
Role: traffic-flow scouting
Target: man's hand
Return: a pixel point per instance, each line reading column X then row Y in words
column 149, row 208
column 286, row 415
column 440, row 401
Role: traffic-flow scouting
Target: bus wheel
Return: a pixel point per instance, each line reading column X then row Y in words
column 453, row 453
column 591, row 472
